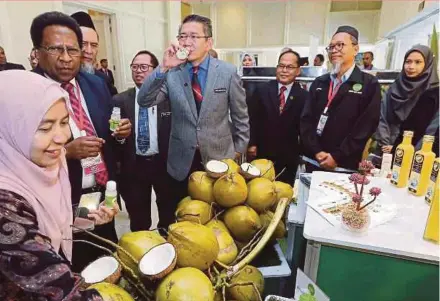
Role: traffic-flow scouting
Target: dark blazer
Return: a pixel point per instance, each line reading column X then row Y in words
column 109, row 75
column 353, row 117
column 11, row 66
column 126, row 101
column 100, row 105
column 276, row 136
column 108, row 81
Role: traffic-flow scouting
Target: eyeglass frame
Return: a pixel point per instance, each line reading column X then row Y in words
column 139, row 66
column 191, row 37
column 65, row 49
column 287, row 67
column 330, row 48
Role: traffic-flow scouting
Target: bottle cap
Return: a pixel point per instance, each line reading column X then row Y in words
column 428, row 138
column 111, row 185
column 408, row 133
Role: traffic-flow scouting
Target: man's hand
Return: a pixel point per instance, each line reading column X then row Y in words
column 123, row 130
column 84, row 147
column 321, row 156
column 104, row 214
column 170, row 59
column 387, row 149
column 328, row 163
column 252, row 152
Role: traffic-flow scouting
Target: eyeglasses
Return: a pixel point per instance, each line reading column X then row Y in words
column 59, row 50
column 336, row 47
column 288, row 67
column 192, row 37
column 142, row 67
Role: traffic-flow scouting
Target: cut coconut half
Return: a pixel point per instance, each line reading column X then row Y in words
column 249, row 171
column 216, row 169
column 104, row 269
column 158, row 262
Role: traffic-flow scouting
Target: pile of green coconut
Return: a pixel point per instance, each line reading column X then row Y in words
column 231, row 213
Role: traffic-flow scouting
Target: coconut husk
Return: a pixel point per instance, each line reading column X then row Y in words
column 145, row 260
column 98, row 266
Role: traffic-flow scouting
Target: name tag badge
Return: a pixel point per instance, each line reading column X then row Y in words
column 220, row 90
column 165, row 114
column 321, row 124
column 93, row 165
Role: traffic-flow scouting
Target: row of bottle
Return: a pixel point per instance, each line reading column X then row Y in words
column 421, row 170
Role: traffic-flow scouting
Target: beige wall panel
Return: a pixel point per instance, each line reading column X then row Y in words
column 267, row 22
column 231, row 24
column 395, row 13
column 202, row 9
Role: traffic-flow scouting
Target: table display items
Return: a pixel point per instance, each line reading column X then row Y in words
column 231, row 213
column 432, row 181
column 432, row 223
column 422, row 167
column 402, row 161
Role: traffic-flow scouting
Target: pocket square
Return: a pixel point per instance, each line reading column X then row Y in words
column 220, row 90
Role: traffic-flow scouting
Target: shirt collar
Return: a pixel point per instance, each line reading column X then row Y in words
column 288, row 87
column 346, row 75
column 72, row 81
column 204, row 65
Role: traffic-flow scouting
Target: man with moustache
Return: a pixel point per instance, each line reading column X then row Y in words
column 343, row 110
column 90, row 48
column 143, row 165
column 204, row 93
column 276, row 112
column 90, row 158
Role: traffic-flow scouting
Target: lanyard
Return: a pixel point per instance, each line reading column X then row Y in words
column 331, row 94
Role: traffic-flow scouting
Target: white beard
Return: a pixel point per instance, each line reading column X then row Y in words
column 88, row 68
column 336, row 67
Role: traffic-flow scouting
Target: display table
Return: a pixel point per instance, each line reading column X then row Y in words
column 389, row 262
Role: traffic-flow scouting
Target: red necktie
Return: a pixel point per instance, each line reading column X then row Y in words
column 82, row 121
column 282, row 98
column 197, row 90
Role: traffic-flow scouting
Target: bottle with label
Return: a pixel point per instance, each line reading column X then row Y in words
column 432, row 224
column 115, row 118
column 422, row 167
column 432, row 179
column 110, row 194
column 402, row 161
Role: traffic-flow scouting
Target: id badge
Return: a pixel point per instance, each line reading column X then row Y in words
column 93, row 165
column 321, row 124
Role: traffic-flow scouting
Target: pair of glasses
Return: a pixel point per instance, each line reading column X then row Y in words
column 336, row 47
column 142, row 67
column 59, row 50
column 288, row 67
column 192, row 37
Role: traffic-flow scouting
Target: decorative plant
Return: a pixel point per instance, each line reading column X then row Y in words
column 359, row 180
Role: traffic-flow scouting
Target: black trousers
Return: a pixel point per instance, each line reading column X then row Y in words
column 177, row 190
column 289, row 173
column 136, row 191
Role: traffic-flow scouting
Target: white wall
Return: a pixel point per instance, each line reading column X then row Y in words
column 395, row 13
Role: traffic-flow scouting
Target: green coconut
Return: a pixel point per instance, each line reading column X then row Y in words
column 243, row 222
column 230, row 190
column 261, row 194
column 266, row 168
column 137, row 244
column 280, row 230
column 185, row 284
column 111, row 292
column 194, row 211
column 196, row 244
column 183, row 201
column 249, row 274
column 283, row 190
column 233, row 166
column 227, row 248
column 200, row 187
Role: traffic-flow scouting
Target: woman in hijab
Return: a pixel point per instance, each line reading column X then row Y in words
column 412, row 102
column 35, row 204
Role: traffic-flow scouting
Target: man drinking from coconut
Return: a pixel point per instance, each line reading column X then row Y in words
column 203, row 93
column 276, row 112
column 343, row 109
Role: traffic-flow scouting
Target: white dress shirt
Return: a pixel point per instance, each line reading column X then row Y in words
column 287, row 92
column 152, row 124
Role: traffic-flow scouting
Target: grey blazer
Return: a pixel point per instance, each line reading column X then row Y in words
column 212, row 131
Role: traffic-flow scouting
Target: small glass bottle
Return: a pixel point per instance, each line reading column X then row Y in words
column 422, row 167
column 110, row 194
column 115, row 118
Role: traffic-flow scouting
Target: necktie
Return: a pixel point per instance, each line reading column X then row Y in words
column 282, row 98
column 83, row 122
column 143, row 134
column 197, row 90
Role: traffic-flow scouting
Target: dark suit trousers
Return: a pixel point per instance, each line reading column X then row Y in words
column 289, row 173
column 177, row 190
column 150, row 174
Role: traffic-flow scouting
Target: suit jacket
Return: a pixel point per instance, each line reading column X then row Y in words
column 11, row 66
column 100, row 106
column 109, row 75
column 353, row 117
column 110, row 84
column 126, row 101
column 210, row 130
column 276, row 136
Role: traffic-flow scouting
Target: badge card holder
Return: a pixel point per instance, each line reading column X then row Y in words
column 92, row 165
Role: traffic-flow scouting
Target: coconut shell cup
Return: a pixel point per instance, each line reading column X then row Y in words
column 215, row 174
column 164, row 272
column 113, row 277
column 244, row 171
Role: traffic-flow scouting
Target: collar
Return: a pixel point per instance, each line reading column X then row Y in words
column 289, row 86
column 72, row 81
column 136, row 89
column 204, row 65
column 346, row 75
